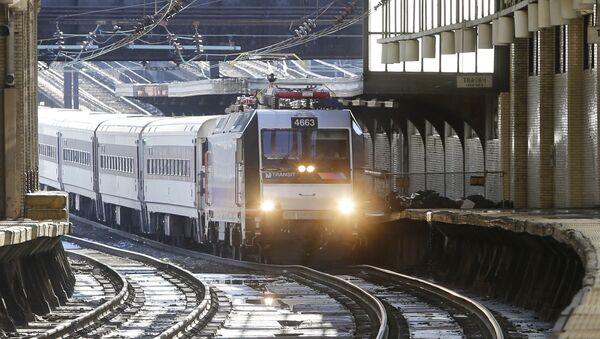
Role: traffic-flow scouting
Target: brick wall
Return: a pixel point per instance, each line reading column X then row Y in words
column 533, row 153
column 546, row 128
column 590, row 145
column 576, row 128
column 519, row 128
column 504, row 128
column 561, row 129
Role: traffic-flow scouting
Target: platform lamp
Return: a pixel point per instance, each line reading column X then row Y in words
column 567, row 10
column 506, row 30
column 521, row 26
column 532, row 17
column 556, row 18
column 495, row 29
column 465, row 40
column 389, row 53
column 411, row 50
column 485, row 36
column 544, row 14
column 428, row 47
column 583, row 5
column 447, row 42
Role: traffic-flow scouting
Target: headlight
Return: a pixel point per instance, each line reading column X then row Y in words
column 310, row 168
column 301, row 168
column 345, row 206
column 267, row 206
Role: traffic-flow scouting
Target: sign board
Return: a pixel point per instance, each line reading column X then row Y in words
column 474, row 81
column 477, row 180
column 305, row 122
column 160, row 90
column 402, row 182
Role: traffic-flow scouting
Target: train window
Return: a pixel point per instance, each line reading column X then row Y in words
column 319, row 144
column 329, row 144
column 281, row 143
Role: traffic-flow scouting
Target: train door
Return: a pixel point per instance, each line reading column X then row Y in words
column 59, row 160
column 143, row 215
column 239, row 190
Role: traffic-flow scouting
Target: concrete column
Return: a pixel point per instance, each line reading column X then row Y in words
column 546, row 60
column 67, row 88
column 504, row 126
column 518, row 101
column 577, row 130
column 214, row 69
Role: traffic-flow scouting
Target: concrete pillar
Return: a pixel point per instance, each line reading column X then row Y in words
column 214, row 69
column 518, row 101
column 75, row 88
column 546, row 171
column 504, row 127
column 577, row 130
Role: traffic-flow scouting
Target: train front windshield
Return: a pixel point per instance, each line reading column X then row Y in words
column 327, row 150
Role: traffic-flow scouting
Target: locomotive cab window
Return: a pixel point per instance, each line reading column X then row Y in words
column 327, row 150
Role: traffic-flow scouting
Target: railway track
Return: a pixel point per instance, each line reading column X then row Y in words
column 99, row 290
column 420, row 309
column 251, row 299
column 163, row 300
column 303, row 301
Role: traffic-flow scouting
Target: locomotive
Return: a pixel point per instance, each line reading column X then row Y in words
column 239, row 181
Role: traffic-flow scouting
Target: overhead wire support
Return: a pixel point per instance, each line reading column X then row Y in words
column 144, row 26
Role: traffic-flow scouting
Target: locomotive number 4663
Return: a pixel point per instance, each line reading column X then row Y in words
column 301, row 122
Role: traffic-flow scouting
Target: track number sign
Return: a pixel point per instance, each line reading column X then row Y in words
column 303, row 122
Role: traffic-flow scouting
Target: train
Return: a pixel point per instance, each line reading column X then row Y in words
column 237, row 182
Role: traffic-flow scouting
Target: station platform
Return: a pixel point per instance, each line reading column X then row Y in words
column 578, row 229
column 35, row 275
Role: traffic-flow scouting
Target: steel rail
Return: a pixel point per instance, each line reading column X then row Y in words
column 97, row 313
column 372, row 305
column 193, row 317
column 474, row 307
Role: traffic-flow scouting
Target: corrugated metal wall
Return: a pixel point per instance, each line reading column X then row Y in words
column 416, row 159
column 435, row 160
column 474, row 165
column 454, row 163
column 382, row 162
